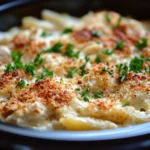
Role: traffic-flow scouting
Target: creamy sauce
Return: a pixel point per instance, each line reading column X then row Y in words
column 81, row 88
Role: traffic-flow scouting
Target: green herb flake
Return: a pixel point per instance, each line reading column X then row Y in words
column 142, row 43
column 72, row 71
column 84, row 94
column 98, row 94
column 87, row 58
column 120, row 45
column 45, row 34
column 96, row 33
column 125, row 104
column 83, row 70
column 45, row 73
column 106, row 70
column 107, row 52
column 38, row 60
column 9, row 68
column 55, row 48
column 67, row 30
column 85, row 98
column 107, row 17
column 18, row 65
column 85, row 91
column 61, row 80
column 97, row 59
column 77, row 89
column 76, row 54
column 16, row 56
column 30, row 68
column 136, row 64
column 123, row 70
column 70, row 51
column 21, row 84
column 118, row 22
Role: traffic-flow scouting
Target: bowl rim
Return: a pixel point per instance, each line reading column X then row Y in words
column 13, row 4
column 92, row 135
column 97, row 135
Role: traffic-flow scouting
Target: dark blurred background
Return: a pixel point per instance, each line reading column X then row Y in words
column 133, row 7
column 139, row 9
column 4, row 1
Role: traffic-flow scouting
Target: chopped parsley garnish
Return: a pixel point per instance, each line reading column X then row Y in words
column 96, row 33
column 98, row 94
column 77, row 89
column 72, row 71
column 97, row 59
column 61, row 80
column 70, row 52
column 21, row 84
column 83, row 70
column 67, row 30
column 18, row 65
column 45, row 34
column 119, row 45
column 142, row 43
column 136, row 64
column 76, row 54
column 85, row 91
column 125, row 104
column 85, row 98
column 16, row 56
column 108, row 17
column 9, row 68
column 45, row 73
column 55, row 48
column 118, row 22
column 84, row 94
column 123, row 71
column 30, row 68
column 87, row 58
column 106, row 70
column 108, row 52
column 38, row 60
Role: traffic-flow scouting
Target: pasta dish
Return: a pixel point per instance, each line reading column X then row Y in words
column 67, row 73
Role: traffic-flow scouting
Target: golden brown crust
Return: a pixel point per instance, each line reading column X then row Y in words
column 7, row 78
column 20, row 41
column 87, row 65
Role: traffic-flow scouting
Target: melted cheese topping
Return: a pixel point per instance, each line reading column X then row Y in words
column 60, row 102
